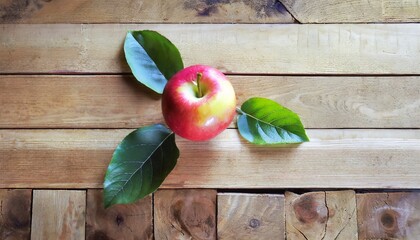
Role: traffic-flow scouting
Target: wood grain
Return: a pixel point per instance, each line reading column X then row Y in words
column 15, row 213
column 321, row 215
column 96, row 101
column 333, row 159
column 393, row 215
column 58, row 214
column 250, row 216
column 232, row 48
column 130, row 11
column 130, row 221
column 185, row 214
column 354, row 11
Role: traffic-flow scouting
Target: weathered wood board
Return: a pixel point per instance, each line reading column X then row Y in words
column 143, row 11
column 333, row 159
column 270, row 49
column 185, row 214
column 361, row 11
column 15, row 213
column 95, row 101
column 58, row 214
column 132, row 221
column 389, row 215
column 321, row 215
column 250, row 216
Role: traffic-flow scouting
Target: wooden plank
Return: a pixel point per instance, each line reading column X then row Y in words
column 127, row 221
column 185, row 214
column 250, row 216
column 15, row 213
column 128, row 11
column 354, row 11
column 58, row 214
column 321, row 215
column 333, row 159
column 389, row 215
column 233, row 48
column 96, row 101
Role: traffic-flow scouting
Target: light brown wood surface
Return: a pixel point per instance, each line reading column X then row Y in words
column 270, row 49
column 130, row 221
column 333, row 159
column 15, row 214
column 185, row 214
column 321, row 215
column 58, row 214
column 121, row 102
column 393, row 215
column 250, row 216
column 143, row 11
column 360, row 11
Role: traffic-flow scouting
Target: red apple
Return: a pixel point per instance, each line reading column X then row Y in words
column 198, row 103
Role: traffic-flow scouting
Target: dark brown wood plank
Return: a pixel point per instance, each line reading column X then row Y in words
column 185, row 214
column 270, row 49
column 15, row 213
column 250, row 216
column 122, row 102
column 394, row 215
column 129, row 11
column 333, row 159
column 354, row 11
column 321, row 215
column 125, row 221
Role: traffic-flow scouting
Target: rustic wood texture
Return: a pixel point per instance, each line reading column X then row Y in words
column 250, row 216
column 185, row 214
column 333, row 159
column 15, row 213
column 95, row 101
column 143, row 11
column 132, row 221
column 271, row 49
column 58, row 214
column 321, row 215
column 352, row 11
column 389, row 215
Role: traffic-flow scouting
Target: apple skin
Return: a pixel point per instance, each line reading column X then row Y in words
column 191, row 116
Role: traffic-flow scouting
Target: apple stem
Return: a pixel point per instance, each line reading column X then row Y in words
column 199, row 76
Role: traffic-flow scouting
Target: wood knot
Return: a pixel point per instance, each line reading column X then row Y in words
column 119, row 219
column 389, row 221
column 308, row 210
column 254, row 223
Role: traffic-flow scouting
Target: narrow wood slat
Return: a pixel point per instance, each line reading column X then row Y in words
column 250, row 216
column 125, row 221
column 333, row 159
column 15, row 213
column 121, row 102
column 321, row 215
column 129, row 11
column 58, row 214
column 389, row 215
column 337, row 11
column 185, row 214
column 237, row 48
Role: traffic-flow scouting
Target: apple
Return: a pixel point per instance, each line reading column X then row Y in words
column 198, row 103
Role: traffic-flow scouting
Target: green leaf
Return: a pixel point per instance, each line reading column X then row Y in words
column 153, row 59
column 140, row 164
column 264, row 121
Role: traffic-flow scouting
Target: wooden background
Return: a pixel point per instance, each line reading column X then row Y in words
column 67, row 98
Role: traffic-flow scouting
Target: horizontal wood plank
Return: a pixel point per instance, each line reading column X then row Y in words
column 333, row 159
column 121, row 102
column 232, row 48
column 129, row 11
column 360, row 11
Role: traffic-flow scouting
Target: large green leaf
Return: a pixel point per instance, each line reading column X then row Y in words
column 264, row 121
column 140, row 164
column 153, row 59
